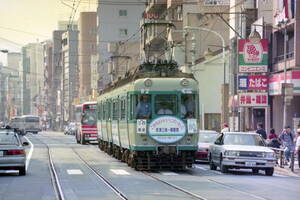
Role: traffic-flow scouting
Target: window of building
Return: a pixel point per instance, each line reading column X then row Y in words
column 123, row 32
column 122, row 13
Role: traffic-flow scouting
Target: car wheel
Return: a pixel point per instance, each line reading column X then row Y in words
column 255, row 171
column 269, row 171
column 212, row 166
column 223, row 168
column 82, row 140
column 22, row 171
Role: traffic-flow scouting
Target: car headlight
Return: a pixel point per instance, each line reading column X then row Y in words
column 270, row 155
column 232, row 153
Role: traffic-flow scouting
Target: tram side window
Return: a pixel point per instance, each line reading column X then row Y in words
column 115, row 109
column 123, row 109
column 109, row 109
column 166, row 104
column 99, row 111
column 188, row 106
column 104, row 108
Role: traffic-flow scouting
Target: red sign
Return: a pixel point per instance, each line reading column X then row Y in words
column 253, row 99
column 258, row 82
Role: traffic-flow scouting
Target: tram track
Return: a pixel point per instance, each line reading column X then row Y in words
column 120, row 194
column 175, row 187
column 55, row 178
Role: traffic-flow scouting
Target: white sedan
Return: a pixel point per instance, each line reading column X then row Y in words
column 236, row 150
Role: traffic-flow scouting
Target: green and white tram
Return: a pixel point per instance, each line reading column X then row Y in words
column 150, row 122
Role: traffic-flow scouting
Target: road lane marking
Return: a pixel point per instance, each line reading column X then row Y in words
column 199, row 167
column 119, row 172
column 169, row 173
column 74, row 172
column 28, row 158
column 279, row 175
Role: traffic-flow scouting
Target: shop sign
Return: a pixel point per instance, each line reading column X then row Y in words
column 167, row 129
column 276, row 80
column 253, row 56
column 253, row 99
column 255, row 82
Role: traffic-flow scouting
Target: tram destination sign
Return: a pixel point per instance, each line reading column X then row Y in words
column 167, row 129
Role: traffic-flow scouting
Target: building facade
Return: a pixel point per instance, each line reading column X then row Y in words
column 87, row 46
column 116, row 21
column 70, row 74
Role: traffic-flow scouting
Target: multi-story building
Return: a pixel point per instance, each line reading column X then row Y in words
column 87, row 46
column 116, row 21
column 286, row 24
column 13, row 62
column 48, row 84
column 55, row 90
column 32, row 77
column 70, row 75
column 66, row 25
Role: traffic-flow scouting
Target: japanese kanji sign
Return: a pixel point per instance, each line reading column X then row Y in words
column 253, row 99
column 253, row 56
column 255, row 82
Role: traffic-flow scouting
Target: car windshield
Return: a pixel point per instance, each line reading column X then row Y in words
column 207, row 137
column 8, row 138
column 31, row 119
column 243, row 139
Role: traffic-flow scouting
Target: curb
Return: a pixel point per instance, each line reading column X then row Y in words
column 286, row 172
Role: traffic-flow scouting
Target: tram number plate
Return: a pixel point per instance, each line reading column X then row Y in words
column 250, row 164
column 1, row 153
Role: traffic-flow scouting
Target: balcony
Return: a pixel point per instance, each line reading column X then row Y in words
column 174, row 3
column 156, row 6
column 278, row 62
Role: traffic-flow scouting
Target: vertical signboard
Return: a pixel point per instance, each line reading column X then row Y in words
column 253, row 56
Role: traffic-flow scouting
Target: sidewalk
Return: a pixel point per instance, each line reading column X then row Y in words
column 287, row 171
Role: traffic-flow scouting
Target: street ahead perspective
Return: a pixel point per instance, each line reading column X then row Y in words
column 149, row 99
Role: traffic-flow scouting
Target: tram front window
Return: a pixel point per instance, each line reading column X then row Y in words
column 188, row 105
column 143, row 108
column 89, row 118
column 166, row 104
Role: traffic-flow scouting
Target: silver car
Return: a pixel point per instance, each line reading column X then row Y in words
column 241, row 150
column 12, row 152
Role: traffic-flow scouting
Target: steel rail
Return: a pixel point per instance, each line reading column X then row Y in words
column 100, row 176
column 175, row 187
column 53, row 173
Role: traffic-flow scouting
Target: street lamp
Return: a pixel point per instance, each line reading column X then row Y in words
column 223, row 56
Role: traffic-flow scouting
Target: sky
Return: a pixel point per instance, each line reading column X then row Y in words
column 25, row 21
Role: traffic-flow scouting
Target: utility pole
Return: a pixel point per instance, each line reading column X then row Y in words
column 285, row 73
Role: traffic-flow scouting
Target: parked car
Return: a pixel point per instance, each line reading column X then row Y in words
column 241, row 150
column 206, row 138
column 12, row 152
column 70, row 129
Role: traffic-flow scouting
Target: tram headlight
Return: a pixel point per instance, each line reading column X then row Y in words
column 148, row 82
column 184, row 82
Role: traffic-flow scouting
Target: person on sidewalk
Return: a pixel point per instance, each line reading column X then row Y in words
column 273, row 139
column 297, row 148
column 287, row 139
column 261, row 131
column 225, row 127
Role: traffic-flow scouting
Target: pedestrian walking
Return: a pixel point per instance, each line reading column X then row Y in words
column 297, row 148
column 287, row 139
column 261, row 131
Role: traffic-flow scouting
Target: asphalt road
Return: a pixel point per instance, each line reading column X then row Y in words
column 78, row 167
